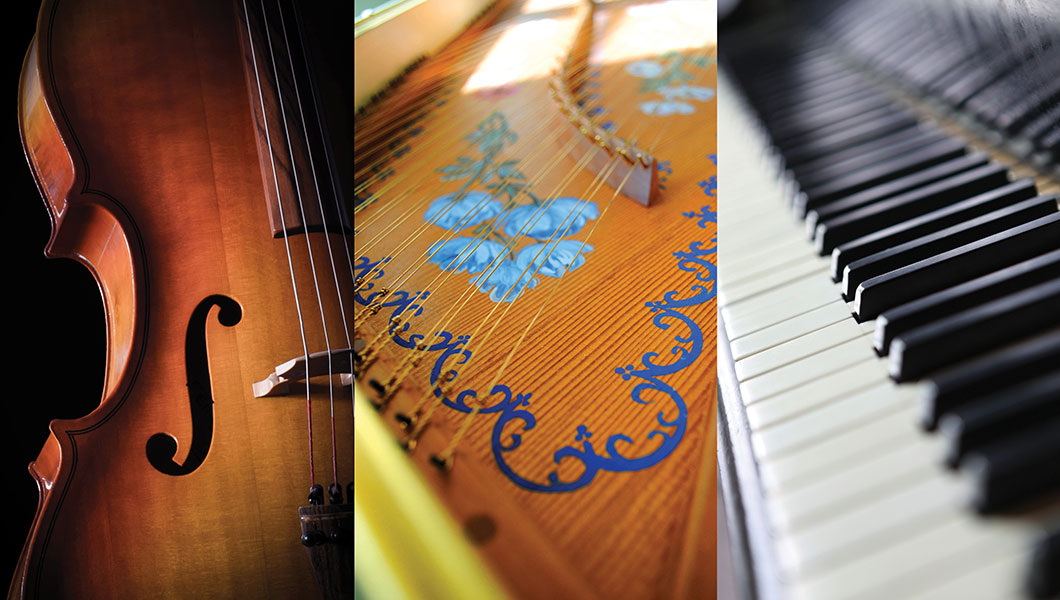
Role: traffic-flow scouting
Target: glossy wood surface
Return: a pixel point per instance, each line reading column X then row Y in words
column 637, row 533
column 137, row 123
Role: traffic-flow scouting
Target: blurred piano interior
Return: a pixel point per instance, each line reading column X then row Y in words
column 889, row 298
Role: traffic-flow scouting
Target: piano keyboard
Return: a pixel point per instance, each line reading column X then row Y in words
column 889, row 308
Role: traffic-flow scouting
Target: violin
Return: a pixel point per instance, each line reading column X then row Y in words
column 188, row 156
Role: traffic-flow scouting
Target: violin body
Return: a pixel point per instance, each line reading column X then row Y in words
column 139, row 129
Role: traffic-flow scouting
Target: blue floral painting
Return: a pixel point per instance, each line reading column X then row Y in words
column 502, row 233
column 669, row 78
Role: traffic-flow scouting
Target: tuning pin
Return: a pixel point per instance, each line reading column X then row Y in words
column 314, row 538
column 335, row 493
column 316, row 494
column 443, row 463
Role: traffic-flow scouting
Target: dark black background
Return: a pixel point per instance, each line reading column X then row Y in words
column 52, row 322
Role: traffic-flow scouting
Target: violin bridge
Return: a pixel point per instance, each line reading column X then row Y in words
column 278, row 383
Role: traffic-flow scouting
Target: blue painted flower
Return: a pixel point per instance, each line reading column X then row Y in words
column 465, row 254
column 506, row 282
column 554, row 258
column 648, row 69
column 690, row 92
column 456, row 214
column 533, row 221
column 662, row 109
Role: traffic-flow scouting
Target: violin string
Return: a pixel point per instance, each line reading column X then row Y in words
column 286, row 238
column 331, row 257
column 337, row 197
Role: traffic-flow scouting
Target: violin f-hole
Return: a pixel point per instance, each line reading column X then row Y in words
column 162, row 447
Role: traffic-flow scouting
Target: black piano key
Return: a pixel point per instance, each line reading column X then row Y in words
column 850, row 137
column 975, row 330
column 876, row 157
column 1001, row 415
column 934, row 66
column 782, row 129
column 996, row 66
column 988, row 373
column 862, row 221
column 1043, row 576
column 931, row 222
column 1030, row 80
column 818, row 125
column 1017, row 115
column 899, row 162
column 886, row 164
column 812, row 100
column 1050, row 141
column 912, row 135
column 940, row 241
column 819, row 105
column 795, row 86
column 1041, row 124
column 901, row 185
column 936, row 306
column 1015, row 471
column 959, row 92
column 956, row 266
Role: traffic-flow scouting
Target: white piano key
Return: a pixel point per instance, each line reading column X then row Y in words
column 815, row 394
column 850, row 446
column 805, row 429
column 925, row 559
column 804, row 371
column 776, row 238
column 891, row 517
column 803, row 324
column 846, row 487
column 753, row 263
column 777, row 305
column 1001, row 578
column 799, row 348
column 861, row 508
column 782, row 275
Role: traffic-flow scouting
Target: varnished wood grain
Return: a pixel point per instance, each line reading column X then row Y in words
column 641, row 534
column 136, row 120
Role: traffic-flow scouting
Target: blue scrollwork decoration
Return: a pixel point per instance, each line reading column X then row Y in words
column 674, row 312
